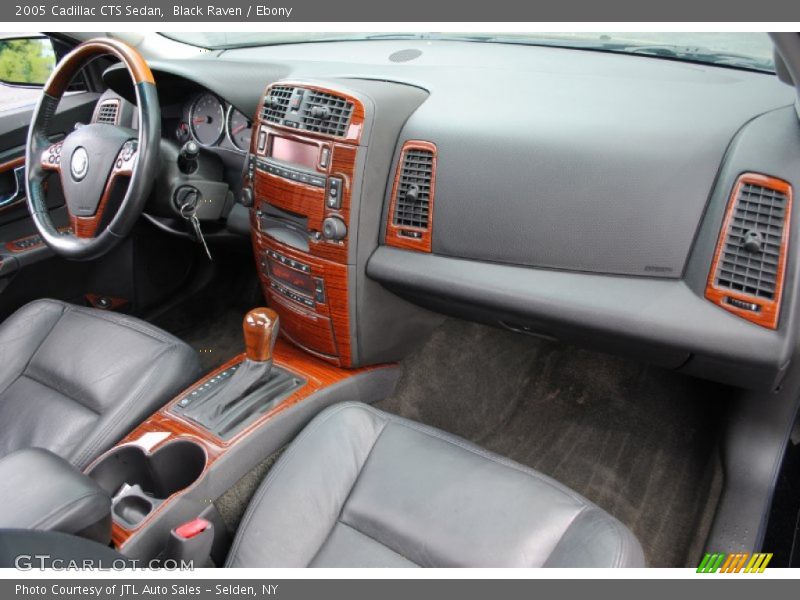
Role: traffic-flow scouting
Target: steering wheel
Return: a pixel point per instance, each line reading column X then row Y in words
column 93, row 159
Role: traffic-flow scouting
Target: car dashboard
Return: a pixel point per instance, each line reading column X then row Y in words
column 630, row 204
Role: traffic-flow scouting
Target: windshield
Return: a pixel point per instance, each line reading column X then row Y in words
column 740, row 50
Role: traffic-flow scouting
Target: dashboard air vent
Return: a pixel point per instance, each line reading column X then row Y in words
column 325, row 113
column 747, row 274
column 411, row 209
column 752, row 250
column 107, row 112
column 276, row 103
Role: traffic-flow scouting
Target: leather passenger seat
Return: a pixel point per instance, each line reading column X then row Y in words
column 75, row 380
column 363, row 488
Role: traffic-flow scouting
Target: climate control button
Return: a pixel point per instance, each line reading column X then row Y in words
column 333, row 228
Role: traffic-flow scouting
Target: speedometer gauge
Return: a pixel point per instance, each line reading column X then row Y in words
column 207, row 119
column 240, row 128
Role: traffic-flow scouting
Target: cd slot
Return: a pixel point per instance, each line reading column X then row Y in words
column 283, row 226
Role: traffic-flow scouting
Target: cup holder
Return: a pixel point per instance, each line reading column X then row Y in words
column 138, row 481
column 132, row 509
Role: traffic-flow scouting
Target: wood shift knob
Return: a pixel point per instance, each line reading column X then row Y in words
column 260, row 327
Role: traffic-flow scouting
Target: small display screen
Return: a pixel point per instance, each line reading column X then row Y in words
column 298, row 153
column 290, row 277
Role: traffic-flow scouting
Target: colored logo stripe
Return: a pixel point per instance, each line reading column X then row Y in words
column 758, row 563
column 734, row 563
column 711, row 563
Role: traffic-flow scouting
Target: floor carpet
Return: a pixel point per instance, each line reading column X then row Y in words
column 219, row 339
column 210, row 320
column 639, row 441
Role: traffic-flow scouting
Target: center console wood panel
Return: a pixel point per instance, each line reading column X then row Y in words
column 164, row 427
column 323, row 331
column 324, row 328
column 357, row 120
column 309, row 201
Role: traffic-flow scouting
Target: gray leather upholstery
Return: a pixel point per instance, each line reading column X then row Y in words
column 43, row 491
column 362, row 488
column 26, row 549
column 75, row 380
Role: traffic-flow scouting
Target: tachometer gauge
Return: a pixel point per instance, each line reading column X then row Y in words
column 207, row 119
column 240, row 128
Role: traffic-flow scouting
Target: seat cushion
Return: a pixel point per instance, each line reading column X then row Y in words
column 75, row 380
column 33, row 549
column 43, row 491
column 361, row 487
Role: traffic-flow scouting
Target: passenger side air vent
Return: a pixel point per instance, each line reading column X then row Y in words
column 276, row 104
column 411, row 207
column 750, row 257
column 414, row 189
column 747, row 274
column 107, row 112
column 325, row 113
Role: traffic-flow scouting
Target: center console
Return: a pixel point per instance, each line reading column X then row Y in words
column 172, row 467
column 303, row 173
column 315, row 181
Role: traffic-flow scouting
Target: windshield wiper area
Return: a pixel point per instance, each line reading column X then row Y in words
column 700, row 54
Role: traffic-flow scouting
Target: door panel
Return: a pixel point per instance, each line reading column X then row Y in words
column 13, row 133
column 143, row 271
column 12, row 184
column 28, row 269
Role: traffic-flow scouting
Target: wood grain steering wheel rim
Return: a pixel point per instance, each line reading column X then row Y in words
column 94, row 160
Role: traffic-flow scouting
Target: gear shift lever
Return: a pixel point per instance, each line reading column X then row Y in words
column 254, row 384
column 261, row 326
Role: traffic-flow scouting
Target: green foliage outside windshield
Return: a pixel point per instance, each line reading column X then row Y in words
column 26, row 61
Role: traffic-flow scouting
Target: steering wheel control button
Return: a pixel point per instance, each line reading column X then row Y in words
column 79, row 163
column 52, row 156
column 128, row 150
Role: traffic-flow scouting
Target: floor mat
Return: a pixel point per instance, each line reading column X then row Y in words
column 637, row 440
column 233, row 503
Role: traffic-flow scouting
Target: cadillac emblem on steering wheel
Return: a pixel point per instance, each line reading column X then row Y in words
column 79, row 165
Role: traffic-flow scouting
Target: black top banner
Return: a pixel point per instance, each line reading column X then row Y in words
column 406, row 11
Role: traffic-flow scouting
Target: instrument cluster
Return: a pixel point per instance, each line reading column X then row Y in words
column 214, row 123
